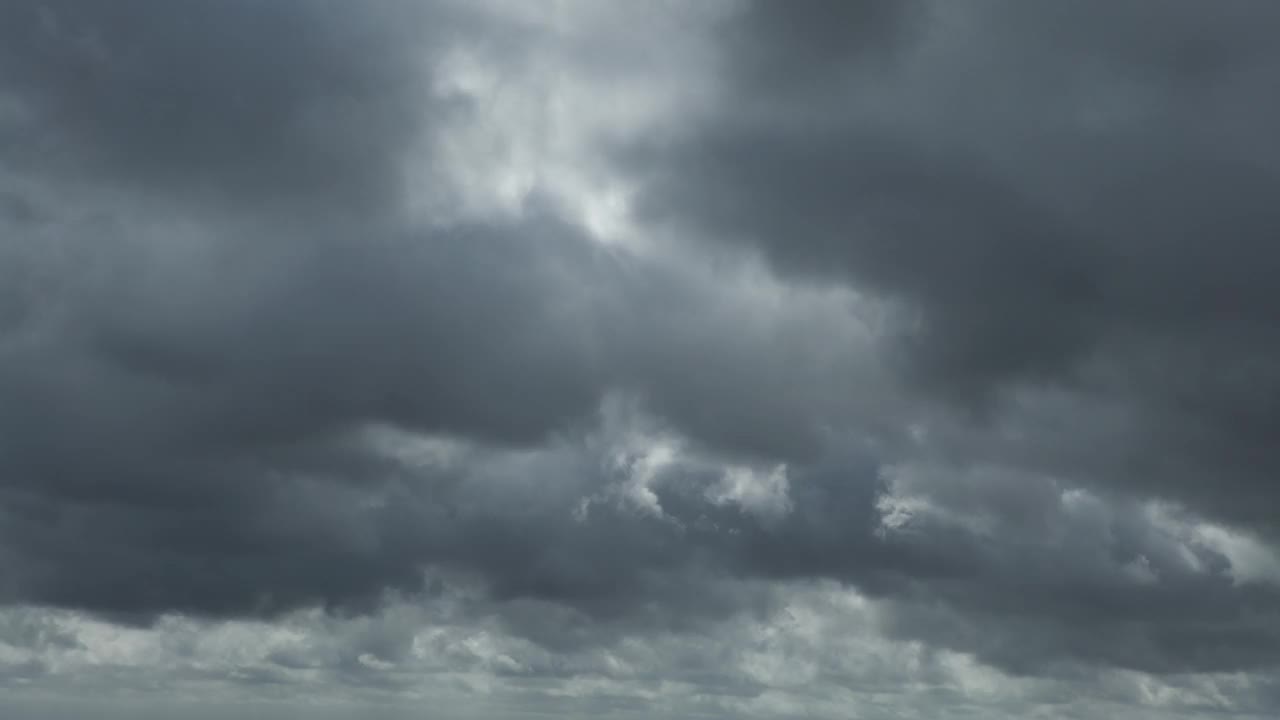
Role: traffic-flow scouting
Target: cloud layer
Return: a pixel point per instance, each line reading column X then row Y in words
column 914, row 357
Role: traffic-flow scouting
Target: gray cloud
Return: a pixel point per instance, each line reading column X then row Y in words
column 1063, row 203
column 292, row 101
column 939, row 327
column 1074, row 196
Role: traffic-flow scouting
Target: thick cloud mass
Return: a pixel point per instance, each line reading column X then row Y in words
column 1076, row 196
column 912, row 359
column 263, row 101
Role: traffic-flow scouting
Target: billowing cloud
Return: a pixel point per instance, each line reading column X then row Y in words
column 911, row 357
column 1071, row 197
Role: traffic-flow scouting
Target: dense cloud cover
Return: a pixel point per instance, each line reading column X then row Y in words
column 904, row 359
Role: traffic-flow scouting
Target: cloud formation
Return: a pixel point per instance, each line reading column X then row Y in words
column 914, row 357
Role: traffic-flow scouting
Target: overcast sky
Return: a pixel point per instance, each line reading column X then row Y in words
column 565, row 358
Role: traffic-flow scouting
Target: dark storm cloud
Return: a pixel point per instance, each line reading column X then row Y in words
column 184, row 383
column 804, row 46
column 1005, row 566
column 262, row 101
column 183, row 407
column 1073, row 194
column 212, row 302
column 1063, row 200
column 158, row 416
column 180, row 380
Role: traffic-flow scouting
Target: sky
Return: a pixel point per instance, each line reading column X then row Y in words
column 493, row 360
